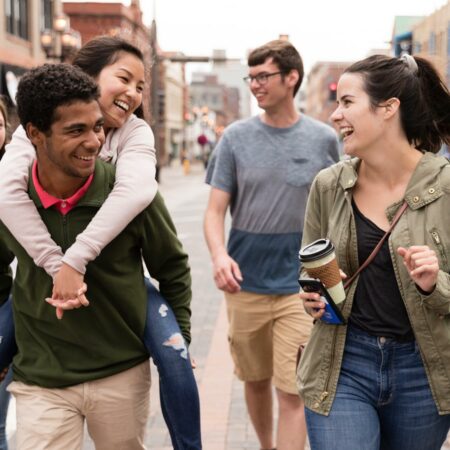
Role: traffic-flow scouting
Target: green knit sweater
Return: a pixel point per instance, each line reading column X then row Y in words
column 106, row 337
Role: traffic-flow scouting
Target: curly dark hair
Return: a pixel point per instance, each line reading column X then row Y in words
column 43, row 89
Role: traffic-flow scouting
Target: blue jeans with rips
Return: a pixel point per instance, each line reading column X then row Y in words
column 7, row 350
column 8, row 346
column 180, row 403
column 178, row 391
column 383, row 400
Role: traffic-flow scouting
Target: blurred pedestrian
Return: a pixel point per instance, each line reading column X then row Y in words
column 262, row 169
column 203, row 141
column 383, row 380
column 118, row 68
column 185, row 161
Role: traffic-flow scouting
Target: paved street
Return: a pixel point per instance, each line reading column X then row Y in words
column 225, row 423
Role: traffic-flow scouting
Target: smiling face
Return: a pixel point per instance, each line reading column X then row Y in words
column 121, row 86
column 277, row 90
column 360, row 124
column 69, row 150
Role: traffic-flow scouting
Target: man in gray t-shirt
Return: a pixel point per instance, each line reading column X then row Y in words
column 262, row 169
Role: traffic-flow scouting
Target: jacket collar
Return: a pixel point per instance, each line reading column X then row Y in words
column 423, row 188
column 97, row 193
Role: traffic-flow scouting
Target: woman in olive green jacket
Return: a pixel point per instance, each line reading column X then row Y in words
column 382, row 381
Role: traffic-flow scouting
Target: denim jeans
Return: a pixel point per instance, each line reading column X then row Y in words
column 180, row 403
column 8, row 346
column 383, row 400
column 7, row 350
column 4, row 401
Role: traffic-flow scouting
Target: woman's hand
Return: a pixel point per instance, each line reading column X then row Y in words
column 68, row 304
column 68, row 290
column 312, row 304
column 422, row 265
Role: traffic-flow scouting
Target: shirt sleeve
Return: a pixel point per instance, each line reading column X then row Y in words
column 133, row 191
column 439, row 299
column 223, row 174
column 167, row 262
column 17, row 210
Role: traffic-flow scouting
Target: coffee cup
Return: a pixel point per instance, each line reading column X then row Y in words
column 319, row 260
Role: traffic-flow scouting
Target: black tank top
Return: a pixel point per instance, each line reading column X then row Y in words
column 378, row 307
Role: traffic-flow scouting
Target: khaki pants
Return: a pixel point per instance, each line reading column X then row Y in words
column 265, row 332
column 115, row 409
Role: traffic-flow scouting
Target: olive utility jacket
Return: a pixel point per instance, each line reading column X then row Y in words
column 425, row 222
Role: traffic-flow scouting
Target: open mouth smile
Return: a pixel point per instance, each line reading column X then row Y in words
column 122, row 105
column 346, row 132
column 85, row 158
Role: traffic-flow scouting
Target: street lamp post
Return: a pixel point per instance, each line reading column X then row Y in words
column 61, row 41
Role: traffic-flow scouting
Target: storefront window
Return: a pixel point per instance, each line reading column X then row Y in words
column 17, row 17
column 46, row 14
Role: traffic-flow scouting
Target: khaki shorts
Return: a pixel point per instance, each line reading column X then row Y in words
column 265, row 332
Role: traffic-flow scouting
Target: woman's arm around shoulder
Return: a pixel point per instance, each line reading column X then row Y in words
column 18, row 212
column 134, row 189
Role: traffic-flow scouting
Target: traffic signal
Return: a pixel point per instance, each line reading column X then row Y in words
column 332, row 88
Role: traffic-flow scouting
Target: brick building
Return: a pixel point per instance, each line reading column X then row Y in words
column 20, row 41
column 321, row 89
column 173, row 106
column 206, row 91
column 431, row 40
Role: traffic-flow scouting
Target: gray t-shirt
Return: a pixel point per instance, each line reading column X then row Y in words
column 268, row 172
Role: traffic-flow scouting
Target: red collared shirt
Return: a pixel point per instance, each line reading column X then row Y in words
column 62, row 205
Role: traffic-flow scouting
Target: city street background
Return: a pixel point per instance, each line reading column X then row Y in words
column 195, row 54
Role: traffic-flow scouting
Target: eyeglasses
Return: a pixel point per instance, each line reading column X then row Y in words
column 261, row 78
